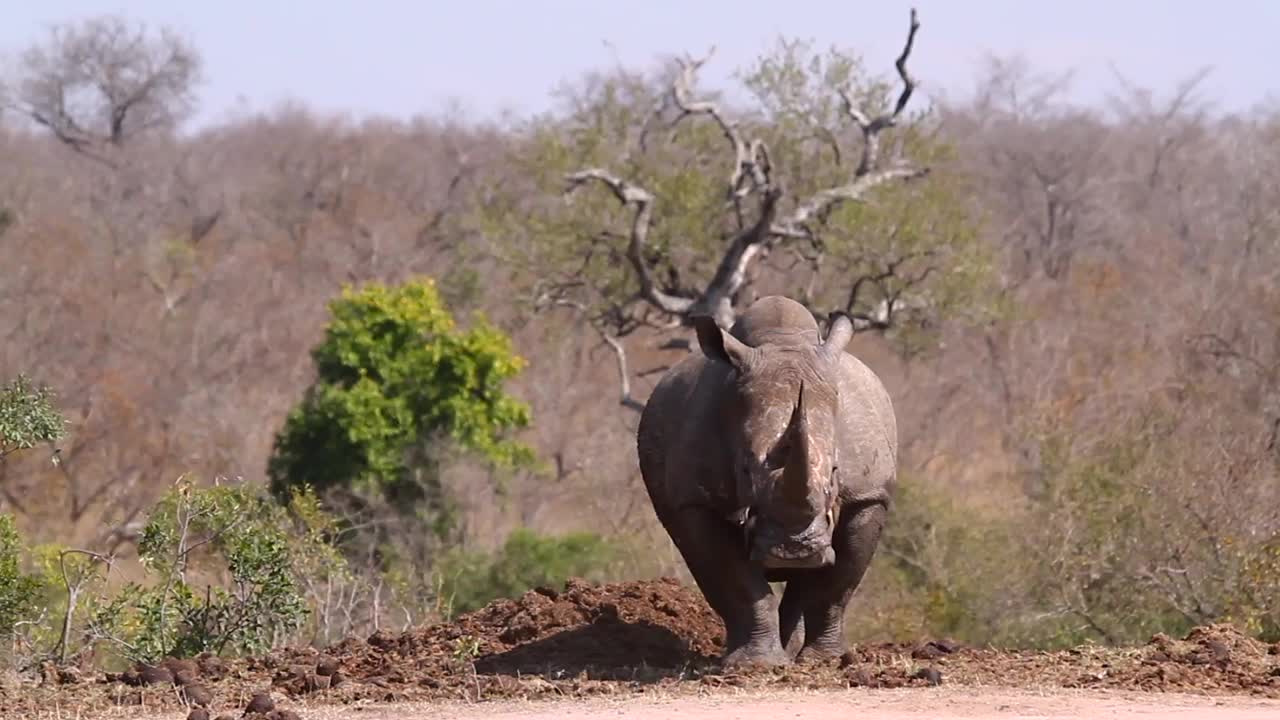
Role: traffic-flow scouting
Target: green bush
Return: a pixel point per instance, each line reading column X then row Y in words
column 395, row 376
column 232, row 535
column 526, row 560
column 19, row 592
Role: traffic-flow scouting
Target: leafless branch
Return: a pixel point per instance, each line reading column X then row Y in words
column 631, row 195
column 871, row 128
column 74, row 587
column 624, row 374
column 868, row 175
column 751, row 159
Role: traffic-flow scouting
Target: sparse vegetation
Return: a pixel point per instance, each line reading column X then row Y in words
column 230, row 536
column 1074, row 310
column 525, row 561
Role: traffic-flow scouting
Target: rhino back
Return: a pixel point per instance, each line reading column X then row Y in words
column 868, row 433
column 678, row 441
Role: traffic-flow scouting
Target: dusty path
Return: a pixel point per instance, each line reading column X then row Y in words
column 906, row 704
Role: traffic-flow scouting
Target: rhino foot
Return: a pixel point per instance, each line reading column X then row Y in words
column 748, row 656
column 818, row 654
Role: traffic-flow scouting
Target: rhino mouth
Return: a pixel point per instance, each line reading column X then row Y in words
column 769, row 547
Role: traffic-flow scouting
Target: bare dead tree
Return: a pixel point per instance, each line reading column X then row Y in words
column 97, row 84
column 750, row 177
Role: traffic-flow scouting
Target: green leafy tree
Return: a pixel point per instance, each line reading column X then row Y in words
column 397, row 381
column 648, row 200
column 28, row 416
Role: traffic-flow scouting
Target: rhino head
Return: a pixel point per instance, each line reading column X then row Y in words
column 778, row 417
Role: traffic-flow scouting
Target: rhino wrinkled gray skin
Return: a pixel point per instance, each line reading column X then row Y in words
column 771, row 456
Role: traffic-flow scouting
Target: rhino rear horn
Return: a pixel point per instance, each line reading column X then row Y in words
column 838, row 335
column 720, row 345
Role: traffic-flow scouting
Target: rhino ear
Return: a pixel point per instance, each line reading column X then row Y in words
column 720, row 345
column 838, row 335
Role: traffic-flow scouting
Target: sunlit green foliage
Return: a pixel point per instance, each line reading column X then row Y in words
column 396, row 375
column 27, row 416
column 18, row 589
column 527, row 560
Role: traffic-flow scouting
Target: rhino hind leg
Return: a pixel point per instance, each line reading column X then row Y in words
column 820, row 598
column 737, row 591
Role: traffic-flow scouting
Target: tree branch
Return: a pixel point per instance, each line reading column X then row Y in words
column 624, row 375
column 868, row 175
column 731, row 272
column 74, row 588
column 871, row 129
column 630, row 194
column 751, row 160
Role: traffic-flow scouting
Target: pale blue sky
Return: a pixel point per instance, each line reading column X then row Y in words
column 400, row 57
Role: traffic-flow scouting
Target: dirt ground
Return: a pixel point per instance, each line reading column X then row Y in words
column 647, row 649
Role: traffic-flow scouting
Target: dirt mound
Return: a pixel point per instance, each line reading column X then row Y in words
column 1209, row 658
column 626, row 638
column 617, row 631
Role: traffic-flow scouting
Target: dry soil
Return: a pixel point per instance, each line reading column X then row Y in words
column 647, row 649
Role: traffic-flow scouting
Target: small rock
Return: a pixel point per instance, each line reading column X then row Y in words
column 315, row 682
column 195, row 694
column 212, row 667
column 155, row 675
column 934, row 649
column 260, row 703
column 847, row 659
column 327, row 666
column 381, row 639
column 1219, row 651
column 198, row 714
column 931, row 675
column 860, row 678
column 129, row 698
column 181, row 665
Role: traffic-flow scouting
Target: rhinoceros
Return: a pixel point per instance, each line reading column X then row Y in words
column 771, row 456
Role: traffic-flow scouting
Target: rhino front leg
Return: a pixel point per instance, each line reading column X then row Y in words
column 791, row 622
column 824, row 595
column 737, row 591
